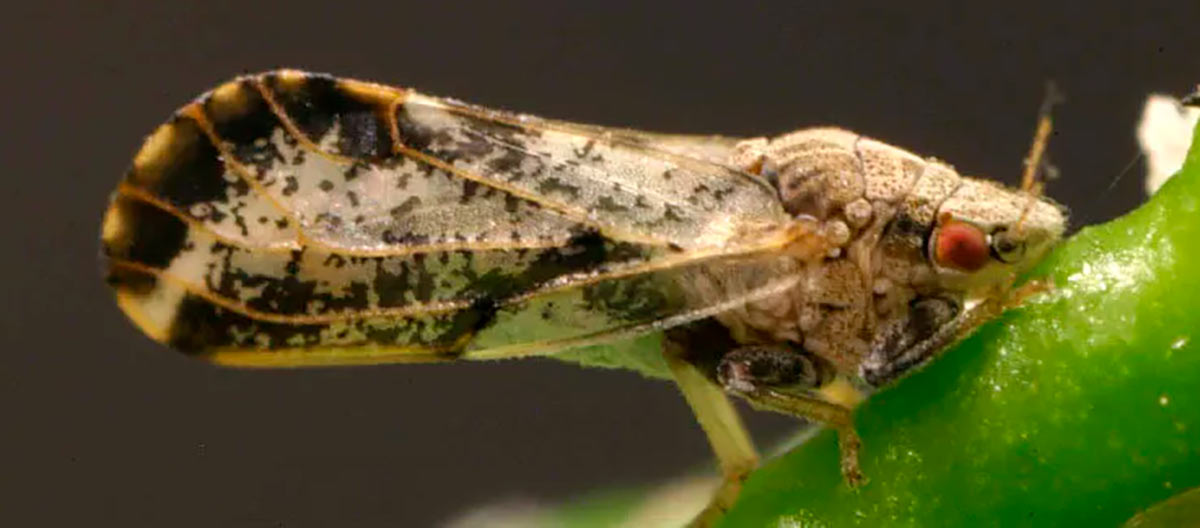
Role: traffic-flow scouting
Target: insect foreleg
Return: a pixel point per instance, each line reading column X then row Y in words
column 883, row 370
column 775, row 378
column 720, row 421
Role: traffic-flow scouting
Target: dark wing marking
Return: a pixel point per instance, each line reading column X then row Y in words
column 290, row 218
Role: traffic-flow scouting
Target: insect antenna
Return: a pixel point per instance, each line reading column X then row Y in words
column 1128, row 167
column 1035, row 161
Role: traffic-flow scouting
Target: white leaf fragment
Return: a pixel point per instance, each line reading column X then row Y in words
column 1164, row 134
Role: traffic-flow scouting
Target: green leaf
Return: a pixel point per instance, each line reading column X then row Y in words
column 1080, row 408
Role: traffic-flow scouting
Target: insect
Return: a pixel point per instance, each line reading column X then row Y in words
column 289, row 219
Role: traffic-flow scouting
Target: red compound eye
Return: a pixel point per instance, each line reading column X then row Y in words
column 961, row 246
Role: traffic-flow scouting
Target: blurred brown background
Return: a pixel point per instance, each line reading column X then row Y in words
column 101, row 427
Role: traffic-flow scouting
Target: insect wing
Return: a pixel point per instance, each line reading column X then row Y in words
column 290, row 219
column 709, row 148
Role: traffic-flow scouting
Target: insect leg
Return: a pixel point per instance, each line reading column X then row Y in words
column 775, row 378
column 882, row 372
column 830, row 414
column 720, row 421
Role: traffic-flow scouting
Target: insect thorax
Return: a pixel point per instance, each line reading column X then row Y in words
column 873, row 293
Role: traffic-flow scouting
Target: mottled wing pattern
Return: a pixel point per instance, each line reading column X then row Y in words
column 289, row 219
column 710, row 148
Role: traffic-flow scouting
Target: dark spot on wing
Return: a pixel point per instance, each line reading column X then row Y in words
column 335, row 261
column 200, row 326
column 464, row 323
column 317, row 102
column 469, row 188
column 245, row 121
column 329, row 219
column 291, row 186
column 287, row 294
column 148, row 235
column 131, row 281
column 672, row 213
column 586, row 151
column 403, row 282
column 555, row 185
column 511, row 203
column 309, row 104
column 508, row 162
column 413, row 134
column 606, row 203
column 189, row 171
column 352, row 172
column 363, row 133
column 405, row 207
column 474, row 147
column 406, row 238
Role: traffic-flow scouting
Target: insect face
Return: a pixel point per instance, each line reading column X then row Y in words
column 985, row 233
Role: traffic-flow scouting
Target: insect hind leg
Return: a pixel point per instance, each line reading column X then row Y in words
column 718, row 418
column 780, row 378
